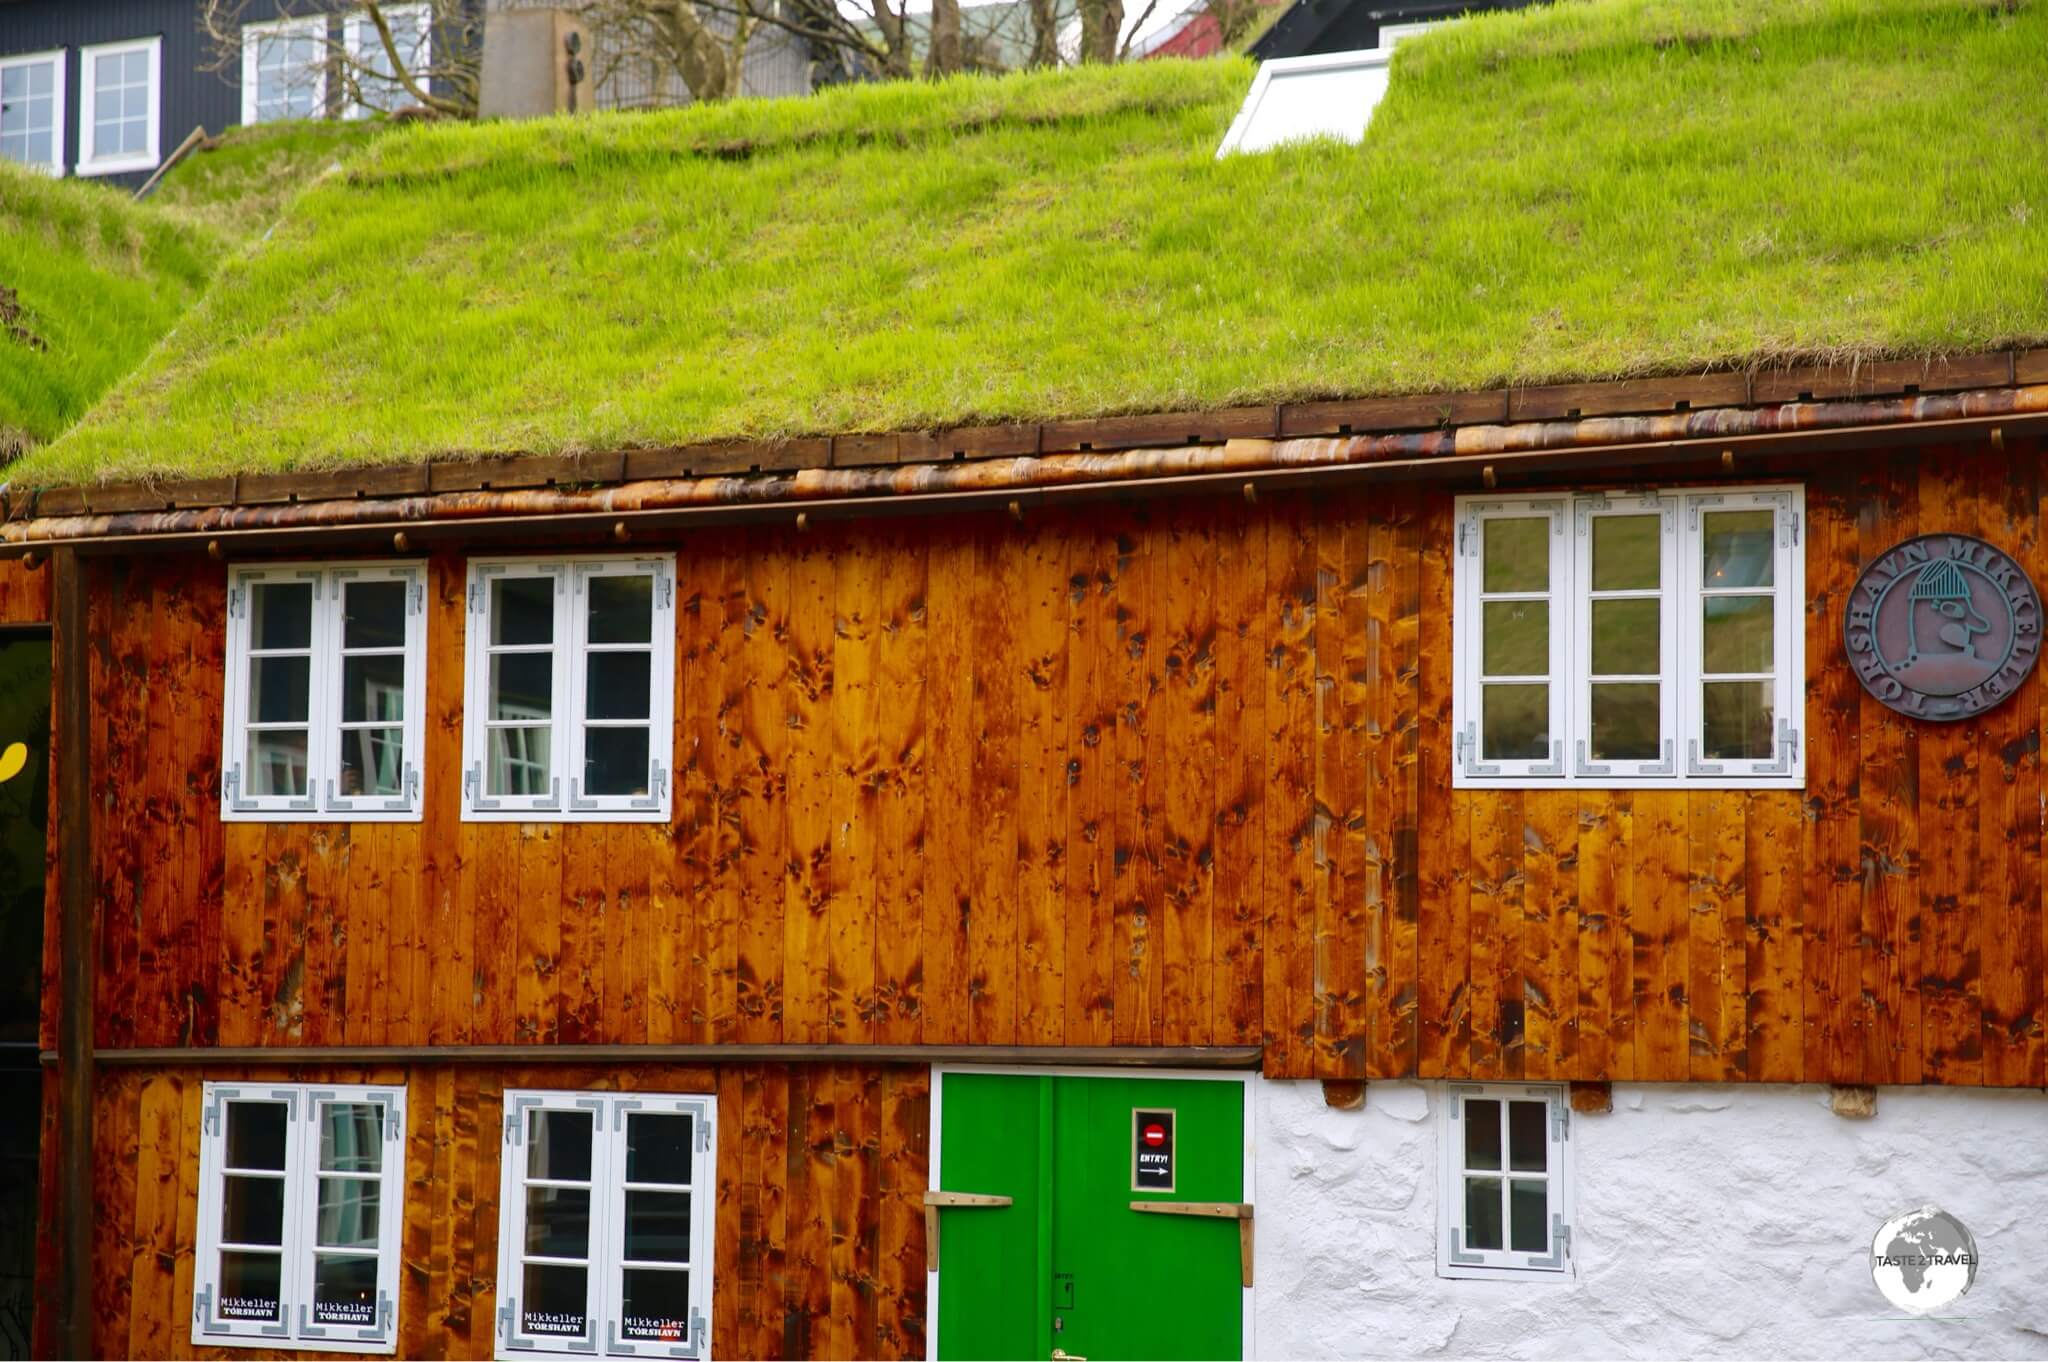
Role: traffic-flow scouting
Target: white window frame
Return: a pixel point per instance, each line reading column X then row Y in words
column 89, row 160
column 323, row 801
column 1453, row 1258
column 607, row 1211
column 359, row 34
column 301, row 1209
column 565, row 800
column 314, row 27
column 1679, row 761
column 55, row 58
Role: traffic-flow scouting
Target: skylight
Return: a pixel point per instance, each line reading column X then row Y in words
column 1294, row 98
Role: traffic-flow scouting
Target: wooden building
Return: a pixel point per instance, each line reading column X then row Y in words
column 1391, row 874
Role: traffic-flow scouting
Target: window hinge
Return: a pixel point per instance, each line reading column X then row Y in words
column 1795, row 529
column 200, row 1300
column 238, row 597
column 477, row 592
column 668, row 591
column 469, row 779
column 412, row 784
column 417, row 596
column 1564, row 1239
column 1464, row 535
column 1560, row 1119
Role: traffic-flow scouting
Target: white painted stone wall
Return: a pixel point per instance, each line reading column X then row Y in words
column 1712, row 1221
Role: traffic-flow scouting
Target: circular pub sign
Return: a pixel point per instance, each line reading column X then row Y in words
column 1942, row 627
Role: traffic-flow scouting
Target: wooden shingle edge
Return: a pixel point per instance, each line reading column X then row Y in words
column 1336, row 418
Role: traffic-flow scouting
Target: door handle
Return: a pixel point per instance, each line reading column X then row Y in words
column 933, row 1201
column 1062, row 1355
column 1240, row 1211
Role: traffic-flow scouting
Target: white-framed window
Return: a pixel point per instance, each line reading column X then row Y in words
column 1506, row 1204
column 1630, row 639
column 284, row 69
column 32, row 110
column 119, row 110
column 378, row 87
column 301, row 1197
column 571, row 688
column 326, row 689
column 604, row 1241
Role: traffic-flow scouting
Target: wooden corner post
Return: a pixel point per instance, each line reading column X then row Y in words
column 75, row 960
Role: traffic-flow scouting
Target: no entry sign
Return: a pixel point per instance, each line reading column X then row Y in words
column 1151, row 1150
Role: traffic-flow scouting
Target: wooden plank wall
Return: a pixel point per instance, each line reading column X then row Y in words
column 819, row 1227
column 1169, row 774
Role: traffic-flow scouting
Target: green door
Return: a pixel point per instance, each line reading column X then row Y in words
column 1069, row 1265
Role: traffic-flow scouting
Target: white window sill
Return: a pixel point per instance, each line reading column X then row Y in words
column 320, row 816
column 558, row 816
column 362, row 1347
column 120, row 167
column 1472, row 1273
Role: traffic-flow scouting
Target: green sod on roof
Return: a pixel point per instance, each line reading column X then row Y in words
column 1584, row 191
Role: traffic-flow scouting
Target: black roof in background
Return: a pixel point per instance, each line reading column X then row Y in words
column 1312, row 27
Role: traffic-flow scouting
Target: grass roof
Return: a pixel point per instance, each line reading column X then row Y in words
column 1582, row 191
column 88, row 283
column 240, row 182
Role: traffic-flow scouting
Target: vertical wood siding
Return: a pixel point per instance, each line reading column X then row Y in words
column 1172, row 774
column 818, row 1238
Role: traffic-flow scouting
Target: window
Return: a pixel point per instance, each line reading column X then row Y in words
column 605, row 1224
column 1294, row 98
column 1630, row 639
column 325, row 692
column 571, row 688
column 117, row 107
column 300, row 1208
column 378, row 88
column 1507, row 1200
column 284, row 70
column 32, row 110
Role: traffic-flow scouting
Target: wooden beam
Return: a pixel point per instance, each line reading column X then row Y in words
column 75, row 962
column 1009, row 1056
column 1103, row 1056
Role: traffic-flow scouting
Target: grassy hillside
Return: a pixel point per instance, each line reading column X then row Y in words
column 88, row 283
column 1580, row 191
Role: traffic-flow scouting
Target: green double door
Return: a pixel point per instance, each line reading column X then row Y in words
column 1086, row 1260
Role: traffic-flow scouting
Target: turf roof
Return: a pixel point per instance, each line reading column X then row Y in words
column 1589, row 190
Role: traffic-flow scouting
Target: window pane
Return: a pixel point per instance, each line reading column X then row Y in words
column 251, row 1210
column 14, row 82
column 278, row 689
column 1626, row 552
column 1514, row 723
column 615, row 761
column 656, row 1305
column 1737, row 720
column 1517, row 638
column 658, row 1148
column 344, row 1290
column 522, row 685
column 1735, row 634
column 250, row 1286
column 374, row 687
column 658, row 1227
column 351, row 1137
column 1482, row 1133
column 558, row 1145
column 1529, row 1216
column 557, row 1300
column 558, row 1222
column 1626, row 640
column 1528, row 1143
column 277, row 763
column 1516, row 554
column 256, row 1134
column 1482, row 1213
column 373, row 615
column 621, row 609
column 523, row 610
column 617, row 685
column 519, row 761
column 1737, row 548
column 1626, row 721
column 373, row 762
column 348, row 1213
column 281, row 615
